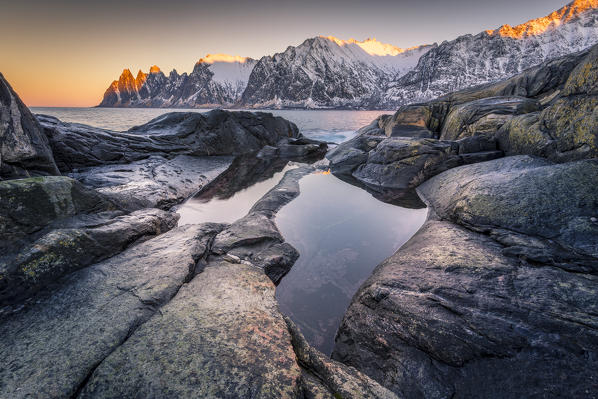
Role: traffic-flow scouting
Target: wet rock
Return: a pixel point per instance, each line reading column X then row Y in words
column 221, row 336
column 255, row 237
column 449, row 315
column 244, row 172
column 338, row 379
column 50, row 348
column 303, row 149
column 345, row 158
column 213, row 133
column 25, row 150
column 29, row 205
column 154, row 182
column 72, row 244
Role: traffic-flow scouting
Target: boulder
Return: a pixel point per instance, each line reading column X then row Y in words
column 485, row 116
column 212, row 133
column 24, row 149
column 528, row 195
column 449, row 315
column 399, row 165
column 29, row 205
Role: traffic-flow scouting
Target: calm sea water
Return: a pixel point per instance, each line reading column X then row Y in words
column 333, row 126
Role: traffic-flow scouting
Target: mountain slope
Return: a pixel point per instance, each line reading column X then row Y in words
column 328, row 72
column 496, row 54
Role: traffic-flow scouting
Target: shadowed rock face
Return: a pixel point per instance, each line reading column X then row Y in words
column 24, row 149
column 494, row 296
column 213, row 133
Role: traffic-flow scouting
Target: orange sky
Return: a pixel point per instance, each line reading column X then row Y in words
column 66, row 52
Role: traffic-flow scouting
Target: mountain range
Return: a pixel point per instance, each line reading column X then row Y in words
column 327, row 72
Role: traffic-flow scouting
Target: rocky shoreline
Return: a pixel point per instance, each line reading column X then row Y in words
column 496, row 295
column 101, row 295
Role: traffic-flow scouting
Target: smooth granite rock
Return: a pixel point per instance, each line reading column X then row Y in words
column 24, row 148
column 155, row 182
column 527, row 195
column 399, row 164
column 485, row 116
column 222, row 336
column 449, row 315
column 178, row 133
column 69, row 245
column 494, row 297
column 29, row 205
column 50, row 348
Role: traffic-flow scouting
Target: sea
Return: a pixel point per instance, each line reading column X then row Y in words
column 333, row 126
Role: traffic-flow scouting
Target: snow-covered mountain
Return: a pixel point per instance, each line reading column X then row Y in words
column 326, row 72
column 493, row 55
column 217, row 79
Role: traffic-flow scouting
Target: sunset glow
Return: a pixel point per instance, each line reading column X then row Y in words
column 540, row 25
column 212, row 58
column 66, row 53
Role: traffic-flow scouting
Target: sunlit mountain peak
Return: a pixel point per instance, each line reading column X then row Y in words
column 540, row 25
column 369, row 45
column 212, row 58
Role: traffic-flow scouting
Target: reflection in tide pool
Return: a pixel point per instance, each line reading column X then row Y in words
column 234, row 193
column 342, row 233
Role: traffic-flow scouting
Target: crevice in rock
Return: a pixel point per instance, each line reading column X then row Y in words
column 152, row 307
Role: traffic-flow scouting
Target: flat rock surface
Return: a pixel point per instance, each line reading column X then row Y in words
column 155, row 182
column 49, row 348
column 221, row 336
column 71, row 244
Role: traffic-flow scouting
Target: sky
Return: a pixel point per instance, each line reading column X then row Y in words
column 67, row 52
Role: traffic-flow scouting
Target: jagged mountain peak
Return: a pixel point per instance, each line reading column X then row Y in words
column 552, row 21
column 126, row 74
